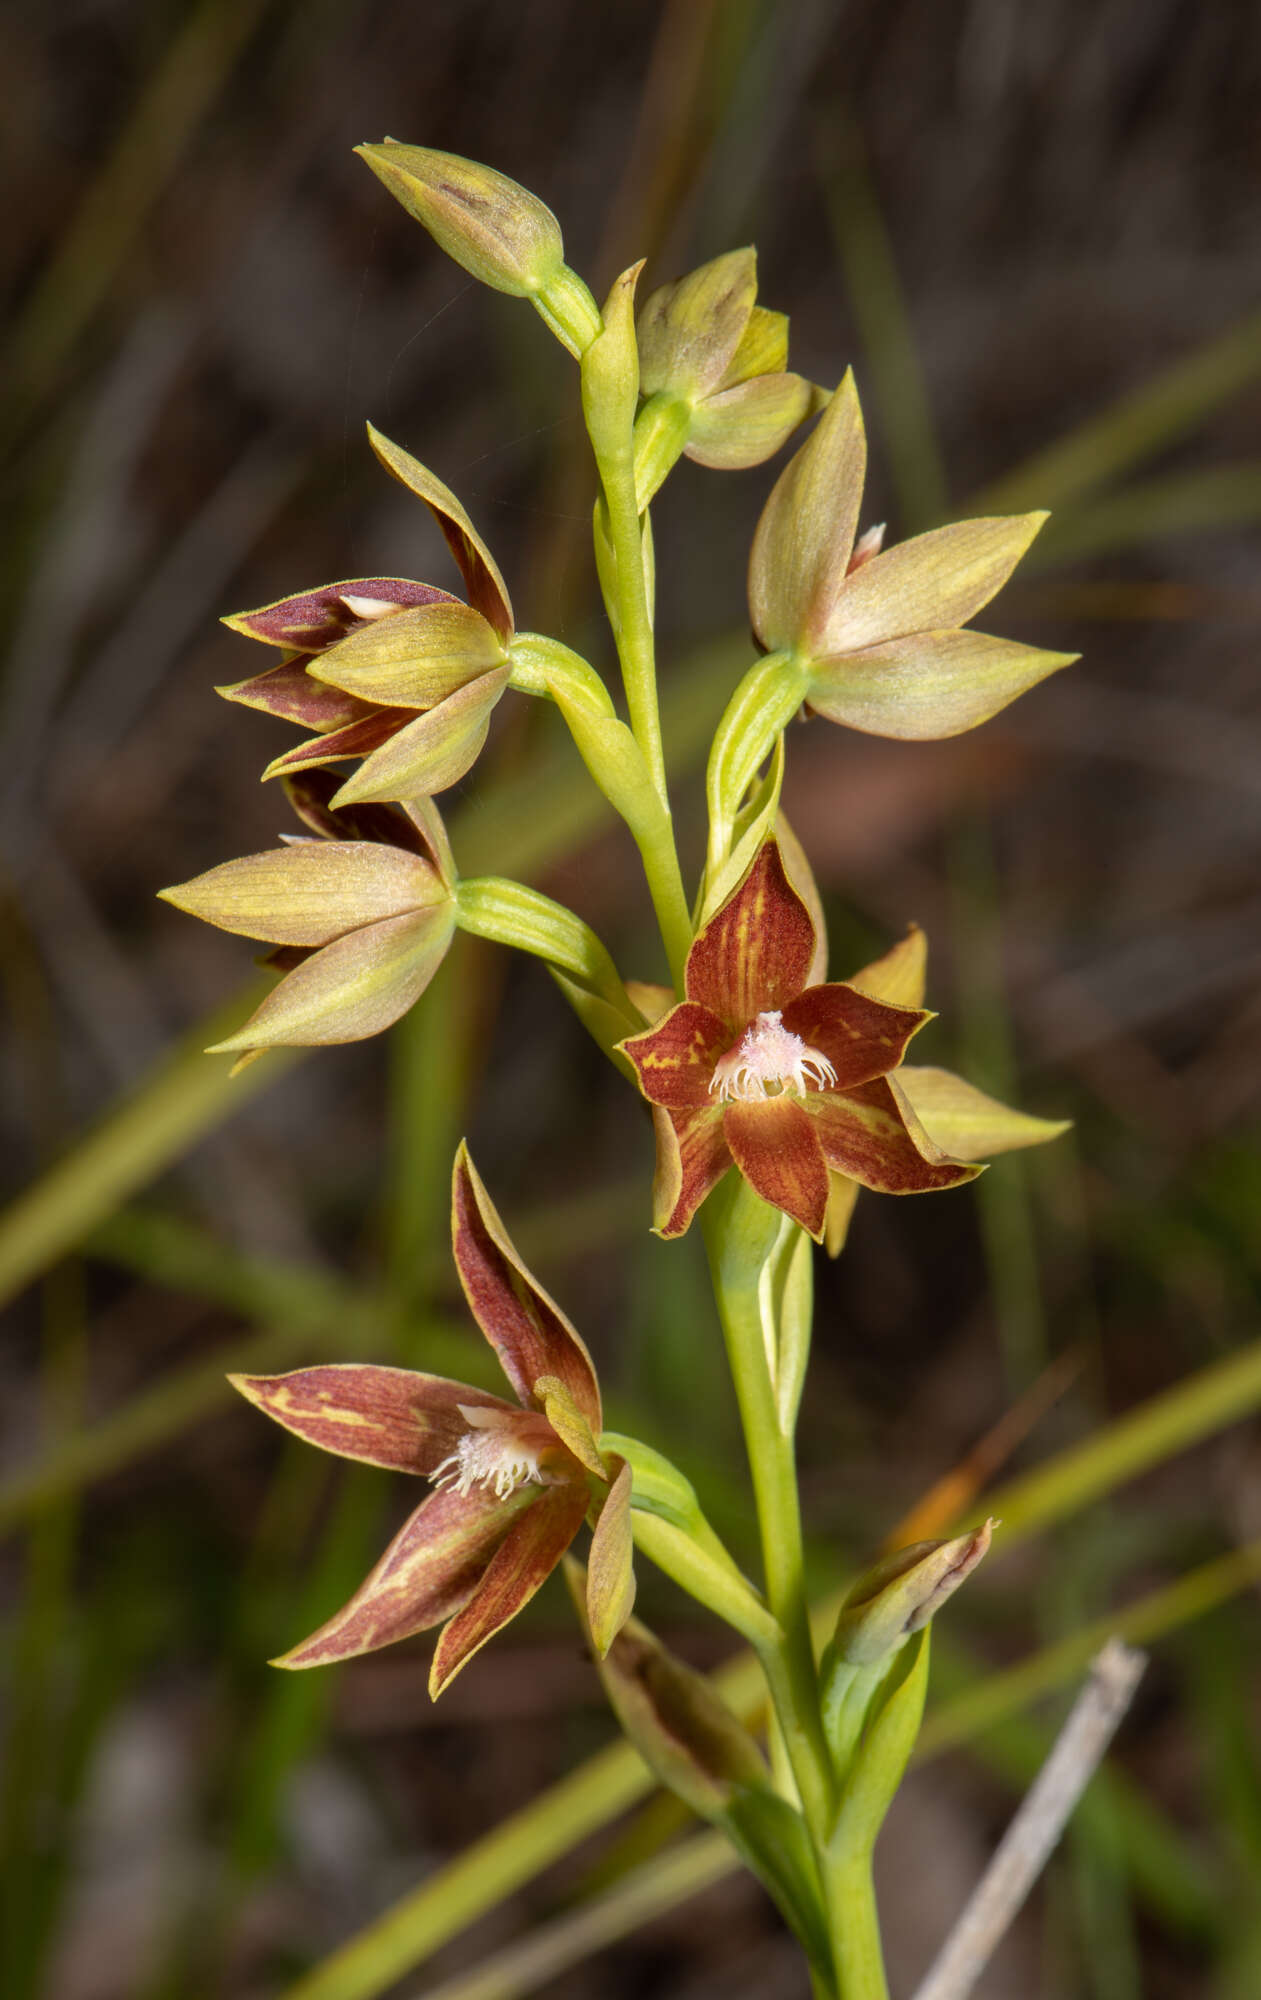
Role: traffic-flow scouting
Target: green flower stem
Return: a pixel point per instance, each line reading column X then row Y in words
column 706, row 1577
column 851, row 1898
column 740, row 1232
column 626, row 599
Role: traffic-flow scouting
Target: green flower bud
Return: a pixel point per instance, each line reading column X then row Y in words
column 500, row 232
column 902, row 1593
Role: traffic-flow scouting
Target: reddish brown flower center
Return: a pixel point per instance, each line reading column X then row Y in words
column 769, row 1061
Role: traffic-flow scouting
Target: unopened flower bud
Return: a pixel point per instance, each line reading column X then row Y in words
column 902, row 1593
column 497, row 230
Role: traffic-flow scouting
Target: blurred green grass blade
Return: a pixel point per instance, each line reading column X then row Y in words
column 518, row 1849
column 1219, row 496
column 659, row 1885
column 1221, row 1658
column 188, row 1095
column 430, row 1057
column 124, row 188
column 876, row 299
column 986, row 1055
column 1135, row 428
column 1150, row 1618
column 291, row 1719
column 298, row 1306
column 1194, row 1408
column 534, row 818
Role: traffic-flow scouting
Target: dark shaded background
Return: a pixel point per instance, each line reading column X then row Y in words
column 209, row 297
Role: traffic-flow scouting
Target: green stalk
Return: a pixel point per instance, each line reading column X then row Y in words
column 740, row 1233
column 610, row 385
column 851, row 1900
column 632, row 620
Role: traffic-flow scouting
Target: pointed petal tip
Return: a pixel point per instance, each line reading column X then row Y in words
column 232, row 1046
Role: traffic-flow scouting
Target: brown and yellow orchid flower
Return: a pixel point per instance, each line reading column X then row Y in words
column 512, row 1481
column 401, row 675
column 790, row 1081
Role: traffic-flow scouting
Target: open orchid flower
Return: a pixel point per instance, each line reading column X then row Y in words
column 881, row 634
column 402, row 675
column 360, row 908
column 785, row 1079
column 512, row 1481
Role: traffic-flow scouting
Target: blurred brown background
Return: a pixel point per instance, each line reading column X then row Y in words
column 1008, row 220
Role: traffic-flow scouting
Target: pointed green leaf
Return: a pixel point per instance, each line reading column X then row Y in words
column 759, row 711
column 610, row 372
column 902, row 1593
column 880, row 1761
column 753, row 825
